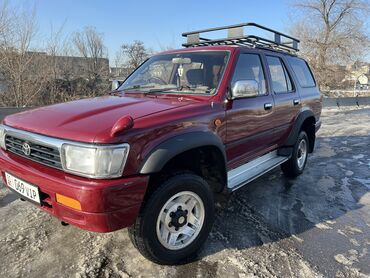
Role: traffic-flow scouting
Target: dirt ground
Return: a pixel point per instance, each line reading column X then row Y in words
column 317, row 225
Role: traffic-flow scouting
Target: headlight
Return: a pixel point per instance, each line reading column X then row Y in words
column 95, row 161
column 2, row 137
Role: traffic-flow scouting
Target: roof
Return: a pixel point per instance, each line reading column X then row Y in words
column 230, row 48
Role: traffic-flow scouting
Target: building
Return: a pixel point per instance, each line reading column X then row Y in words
column 120, row 73
column 68, row 67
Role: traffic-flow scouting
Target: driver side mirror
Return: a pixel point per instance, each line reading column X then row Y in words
column 115, row 85
column 245, row 88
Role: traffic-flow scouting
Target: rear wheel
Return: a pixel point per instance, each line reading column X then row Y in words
column 296, row 164
column 175, row 221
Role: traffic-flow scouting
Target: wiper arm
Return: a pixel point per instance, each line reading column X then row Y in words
column 158, row 90
column 182, row 87
column 135, row 87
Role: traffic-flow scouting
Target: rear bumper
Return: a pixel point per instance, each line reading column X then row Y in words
column 106, row 205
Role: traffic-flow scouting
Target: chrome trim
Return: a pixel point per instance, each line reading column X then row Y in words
column 250, row 171
column 34, row 137
column 58, row 143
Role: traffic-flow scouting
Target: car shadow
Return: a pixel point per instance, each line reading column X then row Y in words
column 274, row 207
column 7, row 198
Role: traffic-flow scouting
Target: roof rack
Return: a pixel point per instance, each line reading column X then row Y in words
column 236, row 36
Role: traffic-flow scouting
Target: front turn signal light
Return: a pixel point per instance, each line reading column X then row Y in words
column 67, row 201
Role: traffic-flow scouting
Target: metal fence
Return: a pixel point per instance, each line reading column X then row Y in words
column 327, row 102
column 346, row 101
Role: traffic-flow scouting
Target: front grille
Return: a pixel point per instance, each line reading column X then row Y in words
column 40, row 153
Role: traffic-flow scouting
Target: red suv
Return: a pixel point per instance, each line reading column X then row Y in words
column 185, row 125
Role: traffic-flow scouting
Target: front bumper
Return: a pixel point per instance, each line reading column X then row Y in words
column 106, row 205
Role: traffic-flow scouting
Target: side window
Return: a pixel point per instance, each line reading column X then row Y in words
column 302, row 72
column 281, row 82
column 249, row 67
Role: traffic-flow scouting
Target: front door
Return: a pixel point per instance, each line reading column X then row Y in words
column 250, row 121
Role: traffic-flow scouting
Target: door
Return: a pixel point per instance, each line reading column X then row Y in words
column 286, row 97
column 250, row 124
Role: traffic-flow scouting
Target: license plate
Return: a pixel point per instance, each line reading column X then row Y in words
column 27, row 190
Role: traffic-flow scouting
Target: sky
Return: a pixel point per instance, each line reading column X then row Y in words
column 158, row 24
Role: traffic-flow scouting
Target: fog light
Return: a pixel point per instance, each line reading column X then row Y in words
column 67, row 201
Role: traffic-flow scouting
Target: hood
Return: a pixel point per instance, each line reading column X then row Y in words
column 82, row 120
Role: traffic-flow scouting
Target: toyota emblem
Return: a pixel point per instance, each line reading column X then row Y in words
column 26, row 149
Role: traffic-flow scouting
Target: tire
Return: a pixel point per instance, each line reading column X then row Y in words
column 174, row 205
column 296, row 164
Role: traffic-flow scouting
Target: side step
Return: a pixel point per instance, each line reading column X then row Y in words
column 246, row 173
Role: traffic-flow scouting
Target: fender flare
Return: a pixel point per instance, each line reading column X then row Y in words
column 168, row 149
column 292, row 138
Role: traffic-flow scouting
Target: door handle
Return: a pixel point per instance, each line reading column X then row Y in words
column 268, row 106
column 296, row 101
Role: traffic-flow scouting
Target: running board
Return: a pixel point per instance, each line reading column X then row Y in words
column 246, row 173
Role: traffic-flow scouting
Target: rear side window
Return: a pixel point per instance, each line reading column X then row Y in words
column 249, row 67
column 281, row 82
column 302, row 72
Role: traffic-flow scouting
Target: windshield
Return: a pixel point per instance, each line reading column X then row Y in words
column 188, row 73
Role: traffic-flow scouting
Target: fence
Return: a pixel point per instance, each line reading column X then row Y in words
column 346, row 101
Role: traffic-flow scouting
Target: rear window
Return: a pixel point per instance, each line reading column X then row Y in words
column 302, row 72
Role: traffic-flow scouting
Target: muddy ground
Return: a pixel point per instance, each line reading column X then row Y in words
column 317, row 225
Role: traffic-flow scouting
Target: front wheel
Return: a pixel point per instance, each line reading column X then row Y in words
column 175, row 221
column 296, row 164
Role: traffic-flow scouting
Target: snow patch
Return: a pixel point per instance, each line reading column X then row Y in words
column 322, row 226
column 349, row 173
column 340, row 258
column 365, row 199
column 359, row 156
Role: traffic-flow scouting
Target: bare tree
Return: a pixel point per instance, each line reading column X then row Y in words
column 129, row 57
column 5, row 20
column 29, row 77
column 59, row 71
column 332, row 32
column 135, row 53
column 21, row 69
column 90, row 45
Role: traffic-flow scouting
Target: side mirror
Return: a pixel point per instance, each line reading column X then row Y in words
column 115, row 85
column 245, row 88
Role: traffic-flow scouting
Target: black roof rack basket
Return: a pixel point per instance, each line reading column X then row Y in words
column 236, row 36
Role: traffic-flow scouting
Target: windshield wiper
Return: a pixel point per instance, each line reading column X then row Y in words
column 159, row 90
column 136, row 87
column 153, row 90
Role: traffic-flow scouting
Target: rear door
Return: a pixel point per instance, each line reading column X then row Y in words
column 308, row 90
column 286, row 96
column 250, row 121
